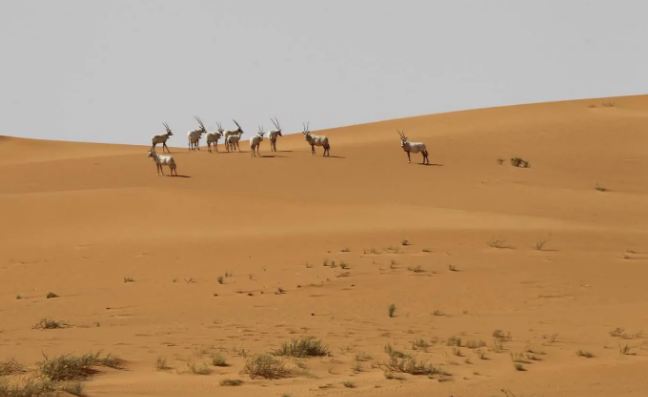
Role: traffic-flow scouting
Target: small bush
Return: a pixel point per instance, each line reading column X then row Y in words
column 74, row 388
column 265, row 366
column 231, row 382
column 69, row 367
column 303, row 347
column 420, row 344
column 11, row 367
column 49, row 324
column 221, row 280
column 349, row 384
column 520, row 162
column 405, row 243
column 600, row 188
column 500, row 244
column 586, row 354
column 539, row 245
column 51, row 295
column 161, row 364
column 502, row 336
column 129, row 279
column 199, row 369
column 218, row 360
column 30, row 387
column 391, row 310
column 416, row 269
column 519, row 367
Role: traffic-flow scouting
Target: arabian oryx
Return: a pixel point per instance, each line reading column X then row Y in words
column 413, row 147
column 193, row 137
column 273, row 134
column 214, row 137
column 162, row 160
column 233, row 137
column 255, row 142
column 316, row 140
column 162, row 138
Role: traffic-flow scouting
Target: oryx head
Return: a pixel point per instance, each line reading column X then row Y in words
column 275, row 121
column 306, row 130
column 151, row 153
column 403, row 138
column 168, row 129
column 220, row 128
column 238, row 127
column 202, row 128
column 261, row 131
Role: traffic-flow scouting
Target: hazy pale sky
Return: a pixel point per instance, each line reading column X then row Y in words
column 112, row 71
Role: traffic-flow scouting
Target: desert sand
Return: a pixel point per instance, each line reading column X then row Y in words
column 488, row 266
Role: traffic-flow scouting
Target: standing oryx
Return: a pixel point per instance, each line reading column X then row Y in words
column 214, row 137
column 273, row 134
column 255, row 142
column 161, row 160
column 413, row 147
column 232, row 138
column 316, row 140
column 193, row 137
column 162, row 138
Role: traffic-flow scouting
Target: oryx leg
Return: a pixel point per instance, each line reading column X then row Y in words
column 164, row 146
column 409, row 159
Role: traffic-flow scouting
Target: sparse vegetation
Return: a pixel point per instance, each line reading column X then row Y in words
column 265, row 366
column 391, row 310
column 11, row 367
column 221, row 280
column 621, row 333
column 74, row 388
column 501, row 335
column 519, row 367
column 49, row 324
column 453, row 268
column 199, row 369
column 231, row 382
column 626, row 350
column 18, row 297
column 218, row 360
column 29, row 387
column 600, row 188
column 520, row 162
column 540, row 244
column 307, row 346
column 584, row 353
column 69, row 367
column 405, row 243
column 161, row 364
column 404, row 363
column 51, row 295
column 420, row 344
column 349, row 384
column 416, row 269
column 129, row 279
column 345, row 250
column 438, row 313
column 499, row 244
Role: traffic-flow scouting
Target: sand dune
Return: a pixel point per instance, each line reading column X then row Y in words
column 555, row 254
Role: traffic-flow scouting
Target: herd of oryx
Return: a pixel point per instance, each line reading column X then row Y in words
column 232, row 138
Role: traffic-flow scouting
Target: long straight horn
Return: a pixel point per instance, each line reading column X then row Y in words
column 220, row 126
column 166, row 126
column 200, row 122
column 275, row 121
column 237, row 124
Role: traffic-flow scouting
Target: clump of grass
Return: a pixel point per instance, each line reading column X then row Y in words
column 626, row 350
column 362, row 357
column 231, row 382
column 69, row 367
column 420, row 344
column 11, row 367
column 161, row 364
column 500, row 161
column 74, row 388
column 621, row 333
column 500, row 244
column 584, row 353
column 345, row 250
column 199, row 369
column 344, row 265
column 426, row 250
column 438, row 313
column 128, row 279
column 416, row 269
column 520, row 162
column 349, row 384
column 46, row 323
column 218, row 360
column 265, row 366
column 600, row 188
column 18, row 297
column 453, row 268
column 501, row 335
column 409, row 365
column 51, row 295
column 30, row 387
column 307, row 346
column 519, row 367
column 391, row 310
column 221, row 280
column 454, row 341
column 405, row 243
column 475, row 344
column 540, row 244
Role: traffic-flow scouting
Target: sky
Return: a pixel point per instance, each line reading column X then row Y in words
column 112, row 71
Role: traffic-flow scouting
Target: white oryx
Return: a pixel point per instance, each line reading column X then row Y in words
column 255, row 142
column 233, row 137
column 193, row 137
column 214, row 137
column 162, row 138
column 273, row 134
column 316, row 140
column 413, row 147
column 162, row 160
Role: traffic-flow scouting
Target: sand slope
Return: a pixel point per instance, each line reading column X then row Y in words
column 80, row 218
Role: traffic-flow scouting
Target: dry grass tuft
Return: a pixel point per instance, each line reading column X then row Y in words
column 307, row 346
column 231, row 382
column 265, row 366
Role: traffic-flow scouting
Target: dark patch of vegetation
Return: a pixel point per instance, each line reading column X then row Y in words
column 265, row 366
column 307, row 346
column 520, row 162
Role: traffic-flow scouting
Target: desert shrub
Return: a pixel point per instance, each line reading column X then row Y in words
column 307, row 346
column 11, row 367
column 520, row 162
column 265, row 366
column 51, row 295
column 584, row 353
column 30, row 387
column 218, row 360
column 231, row 382
column 69, row 367
column 199, row 369
column 46, row 323
column 391, row 310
